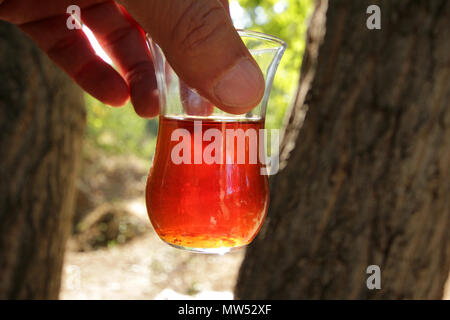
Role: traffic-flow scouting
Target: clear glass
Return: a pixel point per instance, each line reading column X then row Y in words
column 214, row 204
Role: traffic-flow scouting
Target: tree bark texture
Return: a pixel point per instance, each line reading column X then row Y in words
column 367, row 176
column 42, row 119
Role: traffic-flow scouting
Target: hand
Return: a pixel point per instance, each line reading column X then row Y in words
column 197, row 37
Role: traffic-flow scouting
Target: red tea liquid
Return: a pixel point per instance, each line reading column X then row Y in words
column 206, row 206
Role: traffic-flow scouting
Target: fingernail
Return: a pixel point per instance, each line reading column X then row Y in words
column 242, row 86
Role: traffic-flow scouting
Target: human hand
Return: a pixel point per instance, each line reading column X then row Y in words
column 197, row 37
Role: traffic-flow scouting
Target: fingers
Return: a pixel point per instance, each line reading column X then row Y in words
column 119, row 35
column 26, row 11
column 204, row 49
column 70, row 49
column 125, row 43
column 193, row 103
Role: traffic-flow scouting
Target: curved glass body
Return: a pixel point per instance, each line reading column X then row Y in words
column 207, row 191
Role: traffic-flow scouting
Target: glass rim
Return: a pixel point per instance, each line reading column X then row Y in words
column 263, row 36
column 250, row 33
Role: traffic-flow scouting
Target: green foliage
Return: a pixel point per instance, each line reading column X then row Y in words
column 286, row 19
column 120, row 130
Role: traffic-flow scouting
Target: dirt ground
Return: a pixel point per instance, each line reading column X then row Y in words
column 147, row 268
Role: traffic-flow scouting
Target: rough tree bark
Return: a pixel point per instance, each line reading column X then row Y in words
column 368, row 181
column 42, row 120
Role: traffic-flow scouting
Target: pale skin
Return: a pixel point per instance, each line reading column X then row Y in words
column 197, row 37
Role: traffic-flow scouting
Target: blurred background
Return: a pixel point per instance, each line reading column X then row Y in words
column 113, row 252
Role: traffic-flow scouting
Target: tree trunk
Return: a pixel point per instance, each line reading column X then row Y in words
column 368, row 181
column 42, row 120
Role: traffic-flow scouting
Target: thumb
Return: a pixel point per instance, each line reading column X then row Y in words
column 204, row 49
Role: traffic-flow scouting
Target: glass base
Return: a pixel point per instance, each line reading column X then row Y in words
column 219, row 251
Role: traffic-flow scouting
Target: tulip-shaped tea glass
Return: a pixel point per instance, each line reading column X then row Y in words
column 207, row 190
